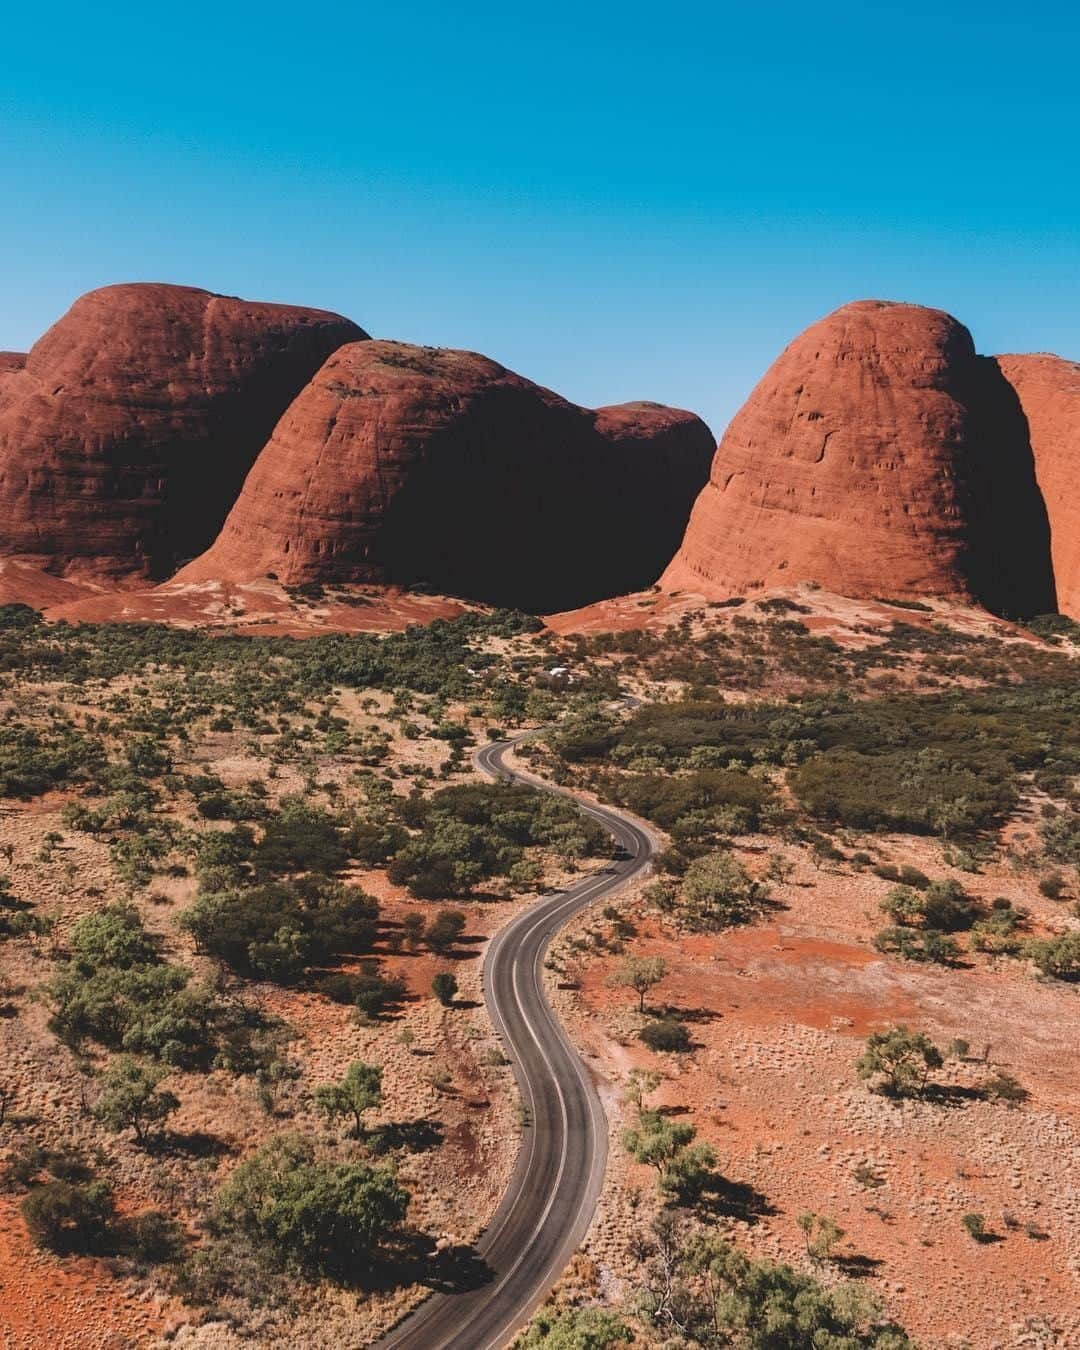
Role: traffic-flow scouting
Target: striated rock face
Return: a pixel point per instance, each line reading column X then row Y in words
column 402, row 464
column 879, row 456
column 10, row 361
column 127, row 432
column 1047, row 391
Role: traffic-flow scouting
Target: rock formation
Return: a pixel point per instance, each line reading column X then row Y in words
column 127, row 431
column 1047, row 389
column 879, row 456
column 10, row 361
column 403, row 464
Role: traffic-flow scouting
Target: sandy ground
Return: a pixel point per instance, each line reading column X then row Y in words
column 779, row 1012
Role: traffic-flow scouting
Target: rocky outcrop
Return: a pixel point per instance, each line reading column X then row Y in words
column 126, row 434
column 403, row 464
column 879, row 456
column 1047, row 391
column 10, row 361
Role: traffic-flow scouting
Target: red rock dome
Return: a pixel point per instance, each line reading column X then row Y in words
column 1048, row 391
column 127, row 432
column 847, row 466
column 404, row 464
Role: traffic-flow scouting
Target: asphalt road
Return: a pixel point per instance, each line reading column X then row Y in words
column 549, row 1203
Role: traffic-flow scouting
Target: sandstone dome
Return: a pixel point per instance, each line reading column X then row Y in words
column 126, row 432
column 401, row 464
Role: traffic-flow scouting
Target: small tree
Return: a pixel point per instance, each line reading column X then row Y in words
column 639, row 1083
column 575, row 1329
column 717, row 891
column 906, row 1058
column 657, row 1140
column 130, row 1098
column 359, row 1091
column 640, row 973
column 820, row 1233
column 444, row 930
column 444, row 986
column 975, row 1226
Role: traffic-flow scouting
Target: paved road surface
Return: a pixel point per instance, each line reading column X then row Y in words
column 549, row 1204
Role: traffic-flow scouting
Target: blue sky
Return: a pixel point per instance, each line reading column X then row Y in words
column 619, row 201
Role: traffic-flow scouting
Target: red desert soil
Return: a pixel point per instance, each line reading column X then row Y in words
column 259, row 607
column 50, row 1304
column 779, row 1013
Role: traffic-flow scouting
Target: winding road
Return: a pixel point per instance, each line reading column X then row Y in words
column 549, row 1204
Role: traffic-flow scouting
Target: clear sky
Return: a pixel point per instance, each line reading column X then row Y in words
column 617, row 200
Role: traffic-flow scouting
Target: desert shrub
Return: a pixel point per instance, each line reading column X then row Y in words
column 33, row 761
column 715, row 892
column 155, row 1239
column 1053, row 885
column 373, row 992
column 902, row 1060
column 946, row 907
column 912, row 876
column 1003, row 1087
column 699, row 1289
column 734, row 798
column 300, row 838
column 1058, row 956
column 372, row 841
column 997, row 931
column 444, row 930
column 315, row 1215
column 1061, row 837
column 924, row 945
column 66, row 1216
column 280, row 929
column 575, row 1329
column 117, row 991
column 665, row 1034
column 923, row 793
column 444, row 986
column 471, row 832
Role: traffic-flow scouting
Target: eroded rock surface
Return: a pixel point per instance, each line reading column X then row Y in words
column 404, row 464
column 878, row 456
column 126, row 433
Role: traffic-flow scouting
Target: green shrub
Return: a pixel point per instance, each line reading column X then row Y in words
column 905, row 1060
column 326, row 1217
column 1058, row 957
column 444, row 986
column 66, row 1216
column 665, row 1034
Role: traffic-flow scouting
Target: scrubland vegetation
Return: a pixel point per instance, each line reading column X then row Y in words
column 227, row 850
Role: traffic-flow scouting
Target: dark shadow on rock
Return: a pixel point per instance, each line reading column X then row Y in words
column 455, row 1270
column 857, row 1267
column 727, row 1199
column 947, row 1094
column 1008, row 566
column 188, row 1144
column 415, row 1136
column 691, row 1015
